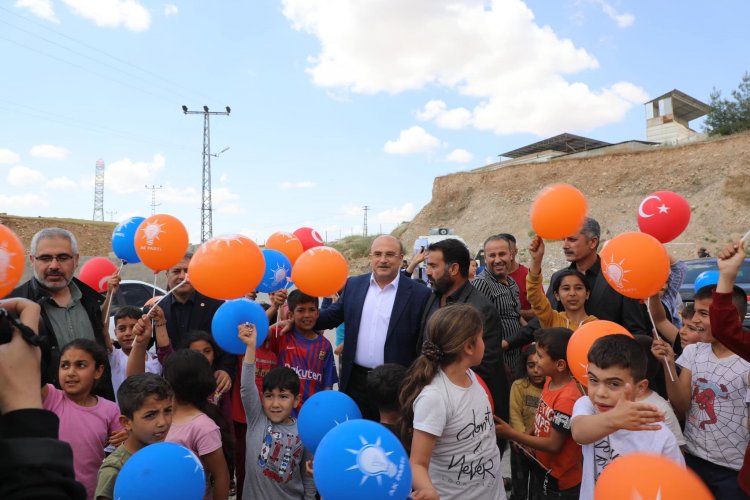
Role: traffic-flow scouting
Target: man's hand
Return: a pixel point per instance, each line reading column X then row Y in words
column 504, row 345
column 113, row 282
column 118, row 437
column 662, row 349
column 730, row 259
column 633, row 416
column 223, row 381
column 20, row 374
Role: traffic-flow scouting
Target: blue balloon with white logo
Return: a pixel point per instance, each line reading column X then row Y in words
column 161, row 470
column 322, row 412
column 278, row 270
column 706, row 278
column 361, row 459
column 232, row 314
column 123, row 240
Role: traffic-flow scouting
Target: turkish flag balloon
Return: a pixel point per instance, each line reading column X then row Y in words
column 643, row 475
column 227, row 267
column 11, row 260
column 96, row 272
column 582, row 340
column 309, row 238
column 636, row 265
column 558, row 211
column 320, row 271
column 664, row 215
column 286, row 243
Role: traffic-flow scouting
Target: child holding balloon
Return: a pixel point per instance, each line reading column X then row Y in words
column 570, row 288
column 454, row 451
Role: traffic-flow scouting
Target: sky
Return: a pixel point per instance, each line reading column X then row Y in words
column 335, row 104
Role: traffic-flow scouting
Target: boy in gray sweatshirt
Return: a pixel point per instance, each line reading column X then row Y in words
column 275, row 457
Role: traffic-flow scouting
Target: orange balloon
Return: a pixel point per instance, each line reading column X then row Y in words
column 320, row 271
column 558, row 211
column 635, row 264
column 161, row 242
column 644, row 475
column 11, row 260
column 582, row 340
column 286, row 243
column 227, row 267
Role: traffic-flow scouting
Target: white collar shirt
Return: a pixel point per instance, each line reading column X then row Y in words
column 373, row 327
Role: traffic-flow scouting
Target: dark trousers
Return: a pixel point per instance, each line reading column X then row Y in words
column 722, row 481
column 240, row 430
column 356, row 388
column 520, row 471
column 543, row 486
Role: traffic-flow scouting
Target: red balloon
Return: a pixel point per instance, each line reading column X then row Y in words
column 96, row 272
column 664, row 215
column 309, row 238
column 11, row 260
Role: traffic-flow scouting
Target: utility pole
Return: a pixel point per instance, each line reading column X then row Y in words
column 153, row 189
column 364, row 225
column 111, row 214
column 206, row 206
column 99, row 191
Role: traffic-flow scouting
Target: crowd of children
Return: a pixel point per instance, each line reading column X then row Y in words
column 562, row 434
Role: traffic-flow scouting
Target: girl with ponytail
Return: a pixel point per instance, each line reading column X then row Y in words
column 447, row 414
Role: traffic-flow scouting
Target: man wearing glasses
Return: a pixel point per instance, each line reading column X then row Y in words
column 70, row 308
column 381, row 312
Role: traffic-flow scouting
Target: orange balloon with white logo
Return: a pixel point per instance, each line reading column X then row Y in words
column 227, row 267
column 11, row 260
column 286, row 243
column 320, row 271
column 648, row 476
column 161, row 241
column 581, row 341
column 558, row 211
column 636, row 265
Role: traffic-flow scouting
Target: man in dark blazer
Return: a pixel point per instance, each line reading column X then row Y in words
column 381, row 312
column 186, row 310
column 448, row 272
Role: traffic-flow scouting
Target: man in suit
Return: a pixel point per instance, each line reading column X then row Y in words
column 381, row 312
column 604, row 302
column 186, row 310
column 448, row 272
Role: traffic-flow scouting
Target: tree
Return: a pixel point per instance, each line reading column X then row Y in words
column 729, row 116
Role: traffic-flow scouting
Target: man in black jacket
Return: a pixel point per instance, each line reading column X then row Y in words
column 70, row 308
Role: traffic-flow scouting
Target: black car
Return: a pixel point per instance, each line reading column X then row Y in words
column 696, row 267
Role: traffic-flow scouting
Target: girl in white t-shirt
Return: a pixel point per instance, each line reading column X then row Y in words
column 454, row 451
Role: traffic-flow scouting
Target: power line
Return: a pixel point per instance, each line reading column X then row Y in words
column 153, row 189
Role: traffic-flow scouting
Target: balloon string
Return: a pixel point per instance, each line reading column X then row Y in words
column 747, row 234
column 161, row 298
column 110, row 297
column 656, row 337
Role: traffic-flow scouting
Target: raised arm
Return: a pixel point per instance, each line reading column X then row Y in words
column 679, row 389
column 663, row 325
column 137, row 356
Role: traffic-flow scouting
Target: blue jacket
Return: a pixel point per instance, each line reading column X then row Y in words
column 403, row 329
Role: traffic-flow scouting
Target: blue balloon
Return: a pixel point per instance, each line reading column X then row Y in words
column 322, row 412
column 123, row 240
column 278, row 269
column 706, row 278
column 161, row 470
column 229, row 316
column 361, row 459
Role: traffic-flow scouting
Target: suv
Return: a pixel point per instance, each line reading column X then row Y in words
column 696, row 267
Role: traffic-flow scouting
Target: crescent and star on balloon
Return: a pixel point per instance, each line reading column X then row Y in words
column 663, row 208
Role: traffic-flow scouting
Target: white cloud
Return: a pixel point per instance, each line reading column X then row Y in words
column 187, row 195
column 23, row 201
column 351, row 210
column 113, row 13
column 25, row 176
column 170, row 10
column 459, row 156
column 396, row 215
column 623, row 20
column 127, row 176
column 49, row 151
column 230, row 209
column 223, row 177
column 490, row 51
column 437, row 110
column 8, row 156
column 61, row 183
column 412, row 140
column 223, row 195
column 297, row 185
column 40, row 8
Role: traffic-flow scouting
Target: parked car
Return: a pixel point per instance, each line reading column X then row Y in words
column 696, row 267
column 131, row 293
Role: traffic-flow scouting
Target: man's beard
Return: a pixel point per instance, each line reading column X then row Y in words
column 441, row 285
column 53, row 287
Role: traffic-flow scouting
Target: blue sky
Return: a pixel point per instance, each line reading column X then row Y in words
column 335, row 104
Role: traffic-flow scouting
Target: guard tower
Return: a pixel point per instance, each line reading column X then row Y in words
column 668, row 115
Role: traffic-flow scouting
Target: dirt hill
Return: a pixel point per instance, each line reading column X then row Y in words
column 714, row 176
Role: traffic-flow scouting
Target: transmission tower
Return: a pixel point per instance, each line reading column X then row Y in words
column 364, row 224
column 206, row 206
column 99, row 191
column 153, row 189
column 112, row 214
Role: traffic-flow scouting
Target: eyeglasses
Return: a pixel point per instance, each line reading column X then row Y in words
column 62, row 258
column 387, row 255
